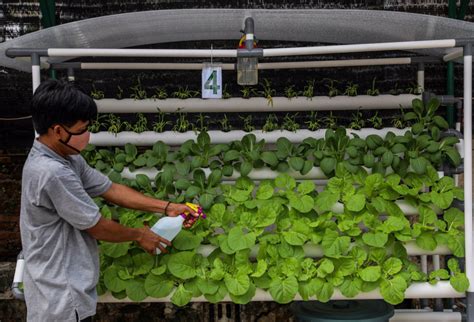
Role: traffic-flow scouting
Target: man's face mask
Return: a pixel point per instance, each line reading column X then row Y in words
column 71, row 134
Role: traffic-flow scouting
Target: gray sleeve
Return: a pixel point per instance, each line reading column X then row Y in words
column 95, row 183
column 71, row 201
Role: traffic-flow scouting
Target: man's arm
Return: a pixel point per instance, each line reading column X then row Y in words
column 128, row 198
column 110, row 231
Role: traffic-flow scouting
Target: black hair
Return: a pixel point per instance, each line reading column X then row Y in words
column 60, row 102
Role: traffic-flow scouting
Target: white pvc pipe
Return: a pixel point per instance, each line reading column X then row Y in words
column 420, row 78
column 468, row 170
column 255, row 174
column 408, row 316
column 20, row 267
column 261, row 66
column 149, row 138
column 455, row 54
column 339, row 49
column 256, row 104
column 273, row 52
column 338, row 63
column 315, row 251
column 417, row 290
column 36, row 76
column 107, row 52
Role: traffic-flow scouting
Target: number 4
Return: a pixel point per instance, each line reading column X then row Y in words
column 212, row 79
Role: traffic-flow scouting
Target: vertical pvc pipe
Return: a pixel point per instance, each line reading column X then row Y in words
column 424, row 269
column 35, row 74
column 468, row 178
column 35, row 70
column 420, row 76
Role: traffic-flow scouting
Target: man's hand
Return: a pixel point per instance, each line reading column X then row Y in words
column 150, row 241
column 175, row 209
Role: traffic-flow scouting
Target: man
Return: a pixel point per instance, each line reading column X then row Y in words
column 59, row 221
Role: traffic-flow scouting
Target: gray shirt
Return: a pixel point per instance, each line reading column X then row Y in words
column 61, row 259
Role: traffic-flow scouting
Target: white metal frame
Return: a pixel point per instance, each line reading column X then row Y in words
column 417, row 290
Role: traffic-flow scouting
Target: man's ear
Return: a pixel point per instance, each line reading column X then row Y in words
column 56, row 130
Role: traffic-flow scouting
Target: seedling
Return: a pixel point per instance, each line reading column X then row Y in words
column 308, row 91
column 330, row 121
column 376, row 121
column 184, row 93
column 290, row 92
column 182, row 124
column 114, row 124
column 141, row 125
column 202, row 123
column 160, row 93
column 351, row 89
column 247, row 91
column 271, row 123
column 314, row 122
column 160, row 124
column 225, row 124
column 248, row 127
column 96, row 124
column 138, row 91
column 226, row 94
column 373, row 91
column 289, row 123
column 97, row 94
column 268, row 92
column 332, row 89
column 414, row 89
column 357, row 121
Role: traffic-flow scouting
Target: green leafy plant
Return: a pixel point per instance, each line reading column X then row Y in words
column 97, row 94
column 414, row 89
column 182, row 123
column 184, row 93
column 97, row 124
column 141, row 125
column 247, row 126
column 225, row 93
column 314, row 122
column 290, row 123
column 399, row 120
column 308, row 90
column 271, row 123
column 138, row 91
column 268, row 91
column 290, row 92
column 331, row 86
column 373, row 91
column 357, row 122
column 351, row 89
column 202, row 124
column 114, row 124
column 160, row 123
column 330, row 121
column 247, row 91
column 224, row 124
column 376, row 121
column 160, row 93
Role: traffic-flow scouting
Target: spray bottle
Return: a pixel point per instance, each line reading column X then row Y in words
column 169, row 227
